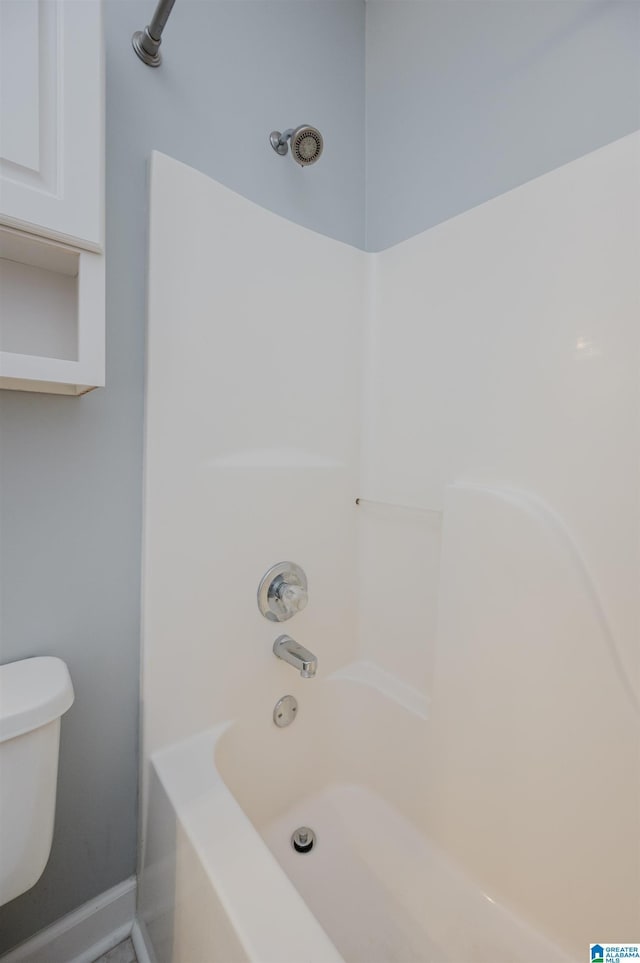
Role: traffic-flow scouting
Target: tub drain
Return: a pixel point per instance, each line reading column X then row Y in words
column 303, row 839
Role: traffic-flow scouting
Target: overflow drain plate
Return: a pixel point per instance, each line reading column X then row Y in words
column 303, row 839
column 285, row 711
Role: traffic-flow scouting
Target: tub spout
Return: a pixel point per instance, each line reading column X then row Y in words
column 296, row 655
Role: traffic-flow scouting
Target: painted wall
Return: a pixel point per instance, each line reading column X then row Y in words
column 503, row 391
column 467, row 99
column 71, row 468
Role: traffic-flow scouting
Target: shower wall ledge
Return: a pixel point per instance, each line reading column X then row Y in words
column 371, row 675
column 565, row 541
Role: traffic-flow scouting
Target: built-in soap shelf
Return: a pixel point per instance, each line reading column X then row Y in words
column 287, row 458
column 397, row 506
column 51, row 315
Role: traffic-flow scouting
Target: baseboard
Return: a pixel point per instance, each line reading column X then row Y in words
column 142, row 943
column 87, row 933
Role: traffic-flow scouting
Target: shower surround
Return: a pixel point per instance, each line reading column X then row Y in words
column 476, row 699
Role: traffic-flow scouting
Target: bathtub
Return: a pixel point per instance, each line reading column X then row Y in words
column 222, row 881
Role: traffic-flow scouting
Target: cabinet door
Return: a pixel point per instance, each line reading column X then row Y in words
column 52, row 119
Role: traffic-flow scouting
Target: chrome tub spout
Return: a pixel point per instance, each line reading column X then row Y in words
column 296, row 655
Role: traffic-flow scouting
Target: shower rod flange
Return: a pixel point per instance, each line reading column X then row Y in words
column 142, row 40
column 146, row 43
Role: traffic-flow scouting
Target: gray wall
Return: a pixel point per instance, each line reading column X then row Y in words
column 468, row 99
column 71, row 468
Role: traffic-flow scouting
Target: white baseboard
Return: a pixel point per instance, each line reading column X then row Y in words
column 142, row 943
column 87, row 933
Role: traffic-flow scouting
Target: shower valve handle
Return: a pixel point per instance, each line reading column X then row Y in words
column 293, row 597
column 282, row 592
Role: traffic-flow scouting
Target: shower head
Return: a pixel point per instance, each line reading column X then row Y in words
column 306, row 144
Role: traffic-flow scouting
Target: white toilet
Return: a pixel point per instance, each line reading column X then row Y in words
column 34, row 693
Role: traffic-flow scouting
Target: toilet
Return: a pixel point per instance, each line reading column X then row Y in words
column 34, row 694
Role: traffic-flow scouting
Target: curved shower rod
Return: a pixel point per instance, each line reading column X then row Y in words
column 146, row 43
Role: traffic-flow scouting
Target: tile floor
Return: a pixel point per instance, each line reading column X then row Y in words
column 122, row 953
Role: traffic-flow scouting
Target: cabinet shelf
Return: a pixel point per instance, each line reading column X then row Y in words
column 51, row 315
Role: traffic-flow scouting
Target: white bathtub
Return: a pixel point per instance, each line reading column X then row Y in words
column 222, row 882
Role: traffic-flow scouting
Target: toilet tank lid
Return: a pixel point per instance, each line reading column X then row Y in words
column 33, row 692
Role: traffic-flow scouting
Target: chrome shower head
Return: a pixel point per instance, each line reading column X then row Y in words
column 306, row 143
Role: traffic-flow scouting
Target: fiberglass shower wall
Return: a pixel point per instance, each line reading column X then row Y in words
column 252, row 428
column 503, row 390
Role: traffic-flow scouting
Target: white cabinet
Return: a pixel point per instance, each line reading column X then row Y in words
column 51, row 195
column 52, row 119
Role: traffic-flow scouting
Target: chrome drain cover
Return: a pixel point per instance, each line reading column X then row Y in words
column 303, row 839
column 285, row 711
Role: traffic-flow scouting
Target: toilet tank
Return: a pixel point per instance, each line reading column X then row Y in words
column 34, row 693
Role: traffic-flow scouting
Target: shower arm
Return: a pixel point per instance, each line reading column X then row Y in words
column 146, row 43
column 279, row 140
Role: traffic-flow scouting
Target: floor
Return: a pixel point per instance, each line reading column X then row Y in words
column 122, row 953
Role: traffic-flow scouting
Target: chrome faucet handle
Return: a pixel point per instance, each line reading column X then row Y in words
column 293, row 597
column 282, row 592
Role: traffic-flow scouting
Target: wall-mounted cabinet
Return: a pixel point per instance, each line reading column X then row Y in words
column 51, row 195
column 51, row 119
